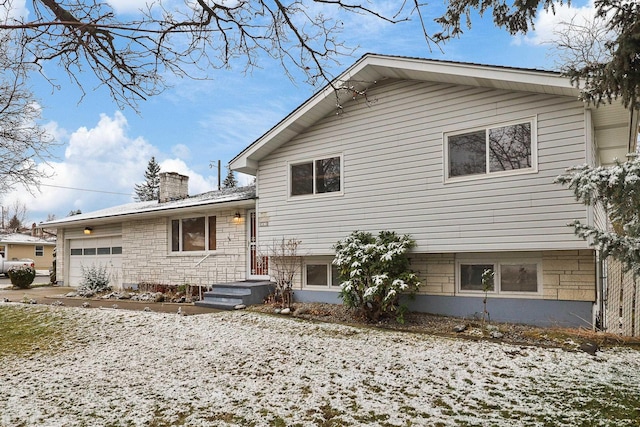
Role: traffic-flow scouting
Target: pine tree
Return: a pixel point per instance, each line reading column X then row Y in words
column 230, row 181
column 617, row 189
column 150, row 189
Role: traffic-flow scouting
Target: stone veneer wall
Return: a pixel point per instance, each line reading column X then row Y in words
column 60, row 256
column 145, row 245
column 566, row 275
column 569, row 275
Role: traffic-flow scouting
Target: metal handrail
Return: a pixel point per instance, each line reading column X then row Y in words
column 202, row 260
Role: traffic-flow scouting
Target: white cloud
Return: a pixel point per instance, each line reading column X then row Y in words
column 103, row 159
column 197, row 183
column 181, row 151
column 547, row 24
column 17, row 10
column 128, row 6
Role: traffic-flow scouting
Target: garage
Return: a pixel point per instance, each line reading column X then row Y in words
column 96, row 252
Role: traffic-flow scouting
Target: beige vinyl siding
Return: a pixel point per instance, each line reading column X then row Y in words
column 393, row 173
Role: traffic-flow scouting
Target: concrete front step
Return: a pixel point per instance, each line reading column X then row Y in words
column 226, row 296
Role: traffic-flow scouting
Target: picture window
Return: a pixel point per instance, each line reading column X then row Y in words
column 193, row 234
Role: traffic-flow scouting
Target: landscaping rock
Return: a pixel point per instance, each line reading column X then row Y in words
column 71, row 295
column 240, row 307
column 286, row 311
column 496, row 335
column 86, row 305
column 589, row 347
column 459, row 328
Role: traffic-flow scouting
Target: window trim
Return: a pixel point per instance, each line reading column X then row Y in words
column 330, row 285
column 207, row 223
column 313, row 161
column 488, row 174
column 498, row 261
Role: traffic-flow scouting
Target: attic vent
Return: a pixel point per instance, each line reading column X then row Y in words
column 173, row 186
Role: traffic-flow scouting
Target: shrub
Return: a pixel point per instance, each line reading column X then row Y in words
column 22, row 276
column 374, row 272
column 94, row 280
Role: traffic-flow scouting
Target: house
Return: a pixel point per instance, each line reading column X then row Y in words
column 15, row 246
column 178, row 239
column 460, row 156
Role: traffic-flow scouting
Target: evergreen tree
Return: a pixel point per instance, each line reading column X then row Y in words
column 150, row 189
column 616, row 76
column 230, row 181
column 617, row 189
column 15, row 223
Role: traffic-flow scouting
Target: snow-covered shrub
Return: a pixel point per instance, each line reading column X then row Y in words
column 94, row 280
column 617, row 189
column 374, row 271
column 22, row 276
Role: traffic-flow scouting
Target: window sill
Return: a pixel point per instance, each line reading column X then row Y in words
column 193, row 253
column 321, row 288
column 514, row 295
column 303, row 197
column 477, row 177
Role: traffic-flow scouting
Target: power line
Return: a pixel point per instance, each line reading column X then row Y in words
column 85, row 189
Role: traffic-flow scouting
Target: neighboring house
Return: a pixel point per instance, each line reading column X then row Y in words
column 15, row 246
column 460, row 156
column 197, row 240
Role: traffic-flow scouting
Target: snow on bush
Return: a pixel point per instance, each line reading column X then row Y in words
column 94, row 279
column 617, row 189
column 22, row 276
column 374, row 271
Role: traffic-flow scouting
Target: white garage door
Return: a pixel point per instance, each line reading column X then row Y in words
column 96, row 252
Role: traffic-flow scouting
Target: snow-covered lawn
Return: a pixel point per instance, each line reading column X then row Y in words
column 125, row 368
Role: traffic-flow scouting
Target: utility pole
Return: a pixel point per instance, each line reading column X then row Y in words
column 211, row 165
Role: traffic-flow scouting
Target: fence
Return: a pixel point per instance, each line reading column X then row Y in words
column 621, row 297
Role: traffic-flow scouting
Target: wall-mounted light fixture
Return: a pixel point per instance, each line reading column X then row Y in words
column 237, row 218
column 88, row 230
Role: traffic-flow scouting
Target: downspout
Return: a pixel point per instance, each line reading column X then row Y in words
column 600, row 318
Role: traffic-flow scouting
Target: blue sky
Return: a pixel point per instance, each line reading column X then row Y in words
column 106, row 150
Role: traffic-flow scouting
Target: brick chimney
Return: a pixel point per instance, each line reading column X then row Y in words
column 173, row 186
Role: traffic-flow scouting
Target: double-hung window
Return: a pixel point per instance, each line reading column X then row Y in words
column 316, row 176
column 39, row 250
column 193, row 234
column 510, row 276
column 491, row 150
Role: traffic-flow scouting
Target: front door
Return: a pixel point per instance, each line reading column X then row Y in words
column 258, row 262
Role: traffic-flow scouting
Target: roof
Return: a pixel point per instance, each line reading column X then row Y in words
column 19, row 238
column 615, row 126
column 224, row 196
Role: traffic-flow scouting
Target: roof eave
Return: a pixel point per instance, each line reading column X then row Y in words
column 167, row 211
column 372, row 68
